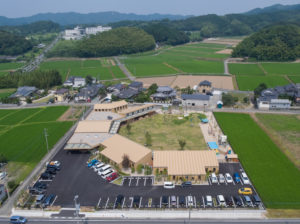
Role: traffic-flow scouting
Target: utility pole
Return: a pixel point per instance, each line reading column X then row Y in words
column 46, row 137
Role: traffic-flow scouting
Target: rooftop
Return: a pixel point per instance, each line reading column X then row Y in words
column 135, row 108
column 164, row 89
column 61, row 91
column 194, row 97
column 93, row 127
column 109, row 106
column 185, row 162
column 102, row 116
column 86, row 140
column 117, row 146
column 24, row 91
column 205, row 83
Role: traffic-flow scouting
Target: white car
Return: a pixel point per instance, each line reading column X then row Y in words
column 221, row 178
column 221, row 200
column 190, row 201
column 107, row 173
column 245, row 178
column 104, row 168
column 98, row 166
column 214, row 178
column 2, row 175
column 169, row 185
column 208, row 201
column 228, row 178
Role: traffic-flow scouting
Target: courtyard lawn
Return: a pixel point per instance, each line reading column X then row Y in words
column 275, row 177
column 22, row 143
column 245, row 69
column 282, row 68
column 251, row 82
column 286, row 130
column 166, row 130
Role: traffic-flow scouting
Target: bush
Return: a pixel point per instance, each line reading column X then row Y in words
column 3, row 159
column 126, row 161
column 140, row 168
column 229, row 100
column 132, row 169
column 12, row 185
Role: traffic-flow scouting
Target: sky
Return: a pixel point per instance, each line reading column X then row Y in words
column 21, row 8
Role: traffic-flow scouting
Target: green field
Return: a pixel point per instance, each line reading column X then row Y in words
column 9, row 66
column 282, row 68
column 245, row 69
column 22, row 139
column 103, row 69
column 275, row 177
column 294, row 78
column 6, row 92
column 198, row 58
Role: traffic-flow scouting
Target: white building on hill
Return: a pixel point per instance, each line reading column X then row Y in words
column 95, row 30
column 77, row 33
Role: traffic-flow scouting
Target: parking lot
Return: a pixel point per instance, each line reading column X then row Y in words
column 75, row 178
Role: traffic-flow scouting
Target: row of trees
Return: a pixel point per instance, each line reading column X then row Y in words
column 39, row 79
column 275, row 43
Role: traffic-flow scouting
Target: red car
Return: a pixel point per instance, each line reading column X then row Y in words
column 112, row 177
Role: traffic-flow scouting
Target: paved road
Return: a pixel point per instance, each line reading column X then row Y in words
column 226, row 70
column 156, row 221
column 124, row 69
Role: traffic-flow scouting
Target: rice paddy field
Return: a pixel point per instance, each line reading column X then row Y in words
column 275, row 177
column 198, row 58
column 249, row 76
column 5, row 68
column 22, row 139
column 103, row 69
column 6, row 92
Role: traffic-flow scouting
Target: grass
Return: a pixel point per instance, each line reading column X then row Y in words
column 295, row 79
column 23, row 143
column 6, row 92
column 166, row 130
column 275, row 177
column 251, row 82
column 10, row 66
column 245, row 69
column 286, row 130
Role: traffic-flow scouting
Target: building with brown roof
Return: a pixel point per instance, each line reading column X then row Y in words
column 93, row 127
column 112, row 107
column 117, row 146
column 185, row 165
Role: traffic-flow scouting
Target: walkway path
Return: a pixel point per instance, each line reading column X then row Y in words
column 226, row 69
column 124, row 69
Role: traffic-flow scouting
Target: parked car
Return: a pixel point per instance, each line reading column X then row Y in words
column 208, row 201
column 54, row 163
column 46, row 176
column 36, row 191
column 56, row 168
column 173, row 201
column 51, row 171
column 119, row 200
column 237, row 178
column 256, row 200
column 237, row 201
column 221, row 200
column 165, row 200
column 48, row 201
column 107, row 173
column 2, row 175
column 221, row 179
column 112, row 177
column 190, row 201
column 103, row 169
column 214, row 178
column 245, row 191
column 181, row 200
column 245, row 178
column 98, row 166
column 39, row 200
column 40, row 185
column 92, row 163
column 186, row 184
column 169, row 185
column 229, row 201
column 247, row 200
column 17, row 220
column 136, row 201
column 228, row 178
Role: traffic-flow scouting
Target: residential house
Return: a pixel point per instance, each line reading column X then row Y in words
column 136, row 86
column 61, row 95
column 79, row 82
column 278, row 104
column 205, row 87
column 24, row 92
column 86, row 94
column 164, row 93
column 195, row 100
column 115, row 89
column 127, row 93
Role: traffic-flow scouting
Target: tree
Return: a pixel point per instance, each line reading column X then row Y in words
column 128, row 128
column 139, row 168
column 148, row 139
column 181, row 143
column 229, row 100
column 125, row 161
column 246, row 100
column 3, row 159
column 152, row 89
column 261, row 87
column 89, row 80
column 28, row 100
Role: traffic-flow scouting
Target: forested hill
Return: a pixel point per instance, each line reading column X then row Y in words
column 11, row 44
column 273, row 8
column 274, row 43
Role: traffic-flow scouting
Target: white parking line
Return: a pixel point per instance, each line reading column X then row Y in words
column 152, row 180
column 129, row 181
column 122, row 181
column 137, row 181
column 234, row 205
column 106, row 203
column 226, row 181
column 186, row 205
column 233, row 182
column 209, row 181
column 131, row 204
column 115, row 204
column 140, row 202
column 195, row 202
column 242, row 201
column 99, row 202
column 177, row 201
column 53, row 200
column 123, row 203
column 160, row 203
column 203, row 201
column 145, row 181
column 169, row 202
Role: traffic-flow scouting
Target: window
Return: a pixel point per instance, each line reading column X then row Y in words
column 193, row 104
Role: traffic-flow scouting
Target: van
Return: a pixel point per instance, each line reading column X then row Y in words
column 39, row 200
column 17, row 220
column 221, row 200
column 214, row 178
column 106, row 173
column 169, row 185
column 106, row 167
column 208, row 201
column 247, row 200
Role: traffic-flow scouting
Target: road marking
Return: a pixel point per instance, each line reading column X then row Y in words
column 53, row 201
column 209, row 181
column 160, row 203
column 195, row 202
column 115, row 204
column 233, row 182
column 122, row 181
column 145, row 181
column 234, row 205
column 106, row 203
column 99, row 202
column 186, row 204
column 242, row 201
column 177, row 202
column 169, row 201
column 140, row 202
column 131, row 204
column 137, row 181
column 203, row 201
column 129, row 181
column 226, row 181
column 123, row 202
column 152, row 180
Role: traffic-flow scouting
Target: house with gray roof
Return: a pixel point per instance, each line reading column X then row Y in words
column 164, row 93
column 24, row 92
column 88, row 93
column 195, row 100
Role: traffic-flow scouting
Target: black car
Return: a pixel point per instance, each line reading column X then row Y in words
column 238, row 201
column 57, row 168
column 228, row 201
column 40, row 185
column 256, row 200
column 136, row 201
column 181, row 200
column 46, row 176
column 165, row 200
column 186, row 184
column 33, row 190
column 119, row 200
column 51, row 171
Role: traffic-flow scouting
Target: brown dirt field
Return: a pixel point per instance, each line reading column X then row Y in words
column 113, row 63
column 225, row 51
column 232, row 42
column 67, row 116
column 161, row 81
column 70, row 59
